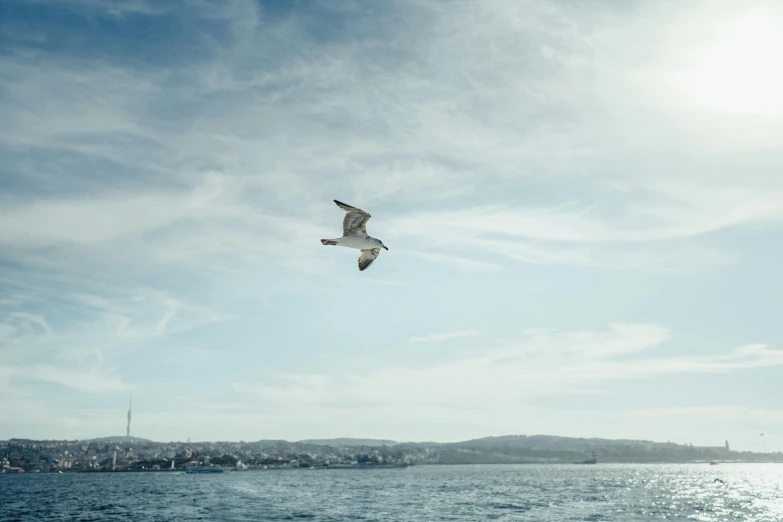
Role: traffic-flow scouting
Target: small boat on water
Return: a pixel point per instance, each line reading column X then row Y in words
column 204, row 469
column 591, row 460
column 713, row 463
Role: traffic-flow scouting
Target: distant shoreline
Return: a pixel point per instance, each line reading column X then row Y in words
column 123, row 454
column 369, row 468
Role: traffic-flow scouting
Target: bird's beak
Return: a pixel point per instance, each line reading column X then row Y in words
column 384, row 246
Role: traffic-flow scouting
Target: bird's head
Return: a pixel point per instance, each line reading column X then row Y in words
column 382, row 245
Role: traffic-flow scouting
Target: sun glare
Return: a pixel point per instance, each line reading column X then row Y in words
column 741, row 72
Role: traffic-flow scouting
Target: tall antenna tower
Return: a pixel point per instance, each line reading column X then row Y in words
column 127, row 430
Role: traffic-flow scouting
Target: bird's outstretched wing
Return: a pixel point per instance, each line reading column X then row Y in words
column 355, row 221
column 367, row 257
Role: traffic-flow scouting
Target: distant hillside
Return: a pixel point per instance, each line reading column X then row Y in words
column 551, row 449
column 489, row 450
column 120, row 438
column 346, row 442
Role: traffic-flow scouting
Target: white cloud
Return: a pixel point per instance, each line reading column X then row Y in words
column 296, row 389
column 99, row 330
column 450, row 141
column 89, row 381
column 173, row 307
column 87, row 220
column 31, row 323
column 714, row 414
column 495, row 379
column 460, row 263
column 441, row 337
column 693, row 210
column 147, row 200
column 117, row 8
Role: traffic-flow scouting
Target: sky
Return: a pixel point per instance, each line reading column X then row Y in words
column 583, row 204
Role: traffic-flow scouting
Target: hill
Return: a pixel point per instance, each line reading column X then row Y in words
column 346, row 442
column 120, row 438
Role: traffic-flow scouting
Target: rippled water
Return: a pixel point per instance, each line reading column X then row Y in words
column 603, row 492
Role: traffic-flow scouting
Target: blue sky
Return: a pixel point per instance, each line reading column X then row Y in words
column 583, row 204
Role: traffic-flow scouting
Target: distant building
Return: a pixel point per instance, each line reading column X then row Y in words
column 127, row 430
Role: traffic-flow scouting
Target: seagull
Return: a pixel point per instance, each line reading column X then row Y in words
column 355, row 235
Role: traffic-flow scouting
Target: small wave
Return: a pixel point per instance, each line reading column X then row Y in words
column 104, row 507
column 515, row 507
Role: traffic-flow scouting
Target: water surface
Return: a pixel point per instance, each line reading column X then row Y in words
column 556, row 493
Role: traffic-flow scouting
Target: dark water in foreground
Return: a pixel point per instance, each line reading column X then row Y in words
column 622, row 493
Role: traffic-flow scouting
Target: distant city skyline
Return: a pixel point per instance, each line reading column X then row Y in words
column 582, row 203
column 131, row 453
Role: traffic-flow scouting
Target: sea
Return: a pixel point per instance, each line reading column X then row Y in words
column 543, row 493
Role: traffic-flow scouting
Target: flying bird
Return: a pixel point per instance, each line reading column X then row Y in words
column 355, row 235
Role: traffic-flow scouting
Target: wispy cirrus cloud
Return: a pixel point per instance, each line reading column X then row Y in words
column 540, row 363
column 476, row 152
column 294, row 388
column 89, row 381
column 507, row 377
column 710, row 210
column 442, row 337
column 111, row 7
column 153, row 191
column 461, row 263
column 715, row 414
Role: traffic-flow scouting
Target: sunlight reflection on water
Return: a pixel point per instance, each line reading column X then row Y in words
column 691, row 492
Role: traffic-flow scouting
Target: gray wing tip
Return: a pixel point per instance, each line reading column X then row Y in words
column 365, row 262
column 349, row 208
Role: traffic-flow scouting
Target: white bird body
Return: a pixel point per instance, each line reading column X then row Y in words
column 358, row 242
column 355, row 235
